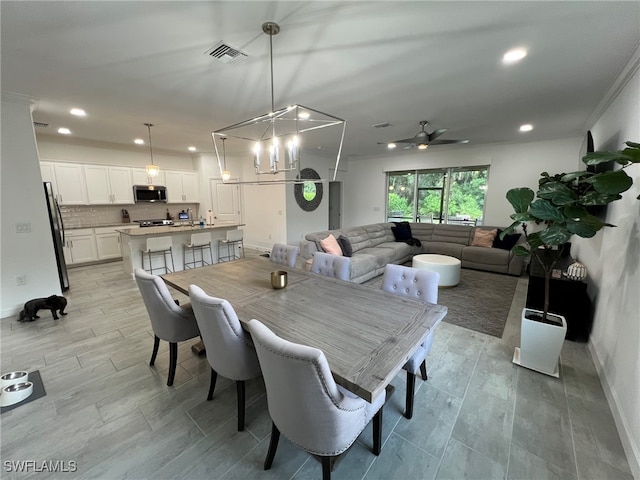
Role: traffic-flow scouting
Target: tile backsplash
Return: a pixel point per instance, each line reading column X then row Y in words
column 86, row 216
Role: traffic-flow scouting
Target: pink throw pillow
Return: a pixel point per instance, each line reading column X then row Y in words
column 330, row 245
column 484, row 238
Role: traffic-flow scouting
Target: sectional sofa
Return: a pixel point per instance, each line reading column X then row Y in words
column 375, row 245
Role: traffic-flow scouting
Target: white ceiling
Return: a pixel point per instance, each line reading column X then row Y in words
column 127, row 63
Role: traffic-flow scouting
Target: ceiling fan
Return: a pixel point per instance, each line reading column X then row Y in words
column 423, row 139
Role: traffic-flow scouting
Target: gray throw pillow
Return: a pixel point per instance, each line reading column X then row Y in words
column 345, row 245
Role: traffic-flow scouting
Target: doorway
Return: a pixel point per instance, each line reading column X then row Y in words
column 225, row 201
column 335, row 205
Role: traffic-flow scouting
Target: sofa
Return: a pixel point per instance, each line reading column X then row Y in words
column 374, row 246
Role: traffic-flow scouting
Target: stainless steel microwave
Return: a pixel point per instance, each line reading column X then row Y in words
column 149, row 193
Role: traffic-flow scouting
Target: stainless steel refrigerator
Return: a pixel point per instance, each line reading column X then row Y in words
column 57, row 232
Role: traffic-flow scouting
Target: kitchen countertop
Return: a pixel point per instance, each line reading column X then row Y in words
column 141, row 232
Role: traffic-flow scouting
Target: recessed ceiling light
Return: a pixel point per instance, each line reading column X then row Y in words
column 78, row 112
column 391, row 145
column 304, row 115
column 514, row 55
column 64, row 131
column 527, row 127
column 192, row 149
column 138, row 141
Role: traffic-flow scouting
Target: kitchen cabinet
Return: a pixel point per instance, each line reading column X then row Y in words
column 140, row 177
column 69, row 186
column 107, row 243
column 80, row 246
column 108, row 185
column 182, row 187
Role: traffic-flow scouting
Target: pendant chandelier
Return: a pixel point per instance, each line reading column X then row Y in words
column 275, row 140
column 226, row 174
column 152, row 170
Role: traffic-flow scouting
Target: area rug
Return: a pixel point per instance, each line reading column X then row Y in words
column 480, row 302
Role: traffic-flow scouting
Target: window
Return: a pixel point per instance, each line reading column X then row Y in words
column 447, row 195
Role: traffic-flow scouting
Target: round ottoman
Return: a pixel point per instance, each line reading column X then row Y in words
column 447, row 267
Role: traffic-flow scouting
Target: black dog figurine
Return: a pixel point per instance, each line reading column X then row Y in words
column 53, row 303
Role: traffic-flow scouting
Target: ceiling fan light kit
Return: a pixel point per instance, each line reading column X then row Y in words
column 277, row 137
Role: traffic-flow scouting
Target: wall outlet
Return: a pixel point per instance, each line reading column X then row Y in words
column 269, row 236
column 21, row 280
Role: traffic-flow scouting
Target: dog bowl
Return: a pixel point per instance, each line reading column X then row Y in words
column 12, row 378
column 15, row 393
column 279, row 279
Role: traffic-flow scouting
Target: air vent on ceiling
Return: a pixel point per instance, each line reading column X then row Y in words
column 226, row 53
column 40, row 125
column 382, row 125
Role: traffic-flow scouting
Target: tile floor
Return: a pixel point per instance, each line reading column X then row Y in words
column 477, row 417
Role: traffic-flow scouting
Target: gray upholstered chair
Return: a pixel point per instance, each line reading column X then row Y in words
column 169, row 321
column 330, row 265
column 305, row 403
column 284, row 254
column 419, row 285
column 229, row 349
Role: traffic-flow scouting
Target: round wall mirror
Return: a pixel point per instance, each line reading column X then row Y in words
column 308, row 195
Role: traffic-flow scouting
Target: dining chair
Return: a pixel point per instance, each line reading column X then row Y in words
column 170, row 322
column 419, row 285
column 233, row 239
column 284, row 254
column 305, row 403
column 198, row 242
column 230, row 351
column 331, row 265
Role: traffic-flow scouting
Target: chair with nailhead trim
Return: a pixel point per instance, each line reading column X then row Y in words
column 419, row 285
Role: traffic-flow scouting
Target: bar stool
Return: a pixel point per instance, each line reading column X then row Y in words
column 158, row 246
column 199, row 242
column 234, row 237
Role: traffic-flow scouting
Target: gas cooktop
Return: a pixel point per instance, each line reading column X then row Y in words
column 154, row 223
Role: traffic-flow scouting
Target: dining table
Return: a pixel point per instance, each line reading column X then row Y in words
column 366, row 334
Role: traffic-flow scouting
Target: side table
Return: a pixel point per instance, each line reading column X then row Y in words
column 567, row 297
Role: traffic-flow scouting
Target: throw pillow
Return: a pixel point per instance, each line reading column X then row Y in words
column 402, row 231
column 484, row 238
column 345, row 245
column 508, row 242
column 330, row 245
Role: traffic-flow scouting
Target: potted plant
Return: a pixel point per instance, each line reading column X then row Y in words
column 560, row 209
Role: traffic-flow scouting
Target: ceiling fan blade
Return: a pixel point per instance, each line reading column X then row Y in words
column 406, row 140
column 436, row 134
column 447, row 142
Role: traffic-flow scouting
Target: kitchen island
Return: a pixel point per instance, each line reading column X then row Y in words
column 134, row 240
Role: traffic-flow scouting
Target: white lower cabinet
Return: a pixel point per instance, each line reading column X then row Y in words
column 80, row 246
column 108, row 243
column 84, row 245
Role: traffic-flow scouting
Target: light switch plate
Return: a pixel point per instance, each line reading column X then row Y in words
column 23, row 227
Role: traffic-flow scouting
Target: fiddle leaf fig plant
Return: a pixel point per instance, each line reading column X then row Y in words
column 560, row 208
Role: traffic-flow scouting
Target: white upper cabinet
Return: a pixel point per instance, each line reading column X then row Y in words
column 108, row 185
column 182, row 187
column 190, row 187
column 68, row 182
column 140, row 177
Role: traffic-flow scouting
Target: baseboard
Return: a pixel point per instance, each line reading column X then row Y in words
column 631, row 449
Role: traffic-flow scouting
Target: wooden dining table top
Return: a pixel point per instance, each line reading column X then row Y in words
column 366, row 334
